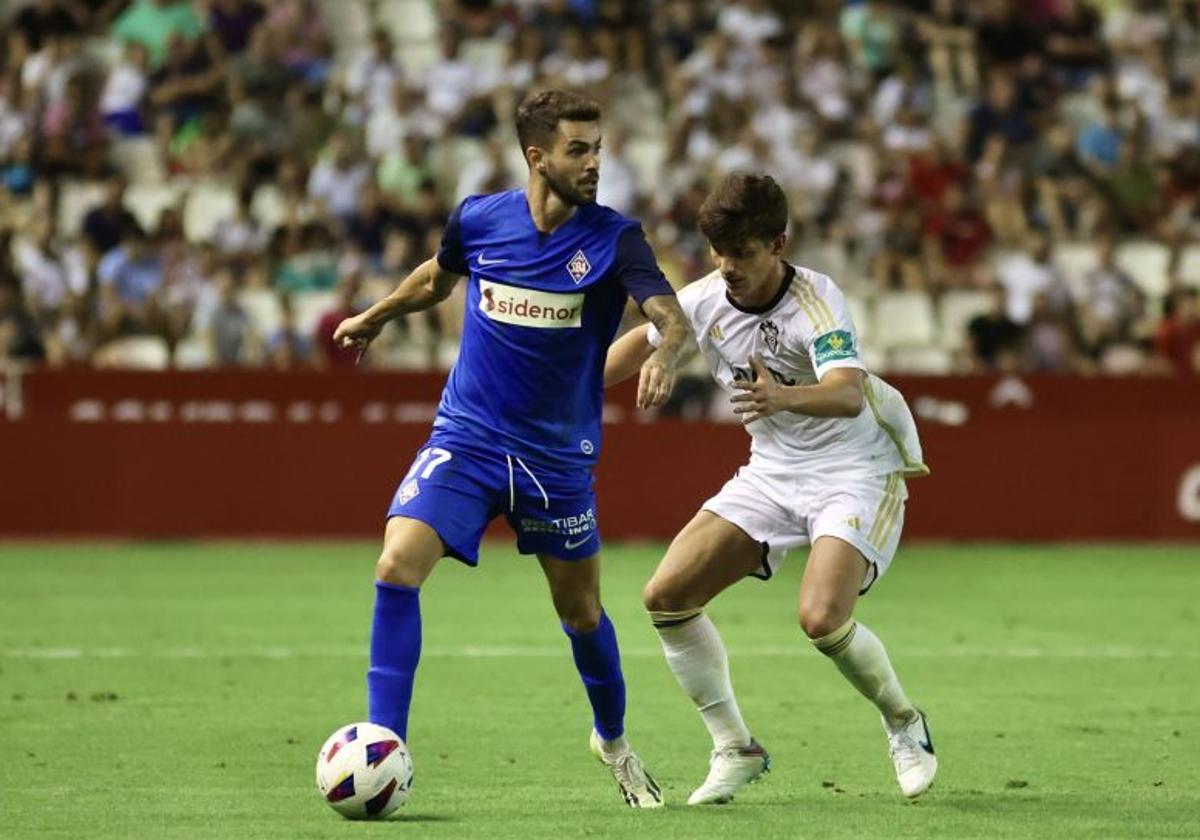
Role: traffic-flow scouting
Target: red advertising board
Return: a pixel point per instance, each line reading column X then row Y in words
column 241, row 454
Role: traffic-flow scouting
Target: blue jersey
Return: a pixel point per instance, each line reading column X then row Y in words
column 541, row 311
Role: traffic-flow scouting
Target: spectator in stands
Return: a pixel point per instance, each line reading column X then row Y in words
column 327, row 352
column 20, row 338
column 994, row 338
column 41, row 20
column 125, row 90
column 230, row 330
column 259, row 73
column 1177, row 339
column 451, row 88
column 309, row 258
column 1050, row 340
column 955, row 237
column 1111, row 305
column 489, row 172
column 287, row 348
column 369, row 227
column 154, row 23
column 998, row 114
column 105, row 224
column 1029, row 277
column 1073, row 42
column 1088, row 118
column 372, row 77
column 17, row 170
column 187, row 86
column 50, row 282
column 75, row 139
column 234, row 22
column 337, row 181
column 131, row 278
column 401, row 115
column 300, row 27
column 240, row 238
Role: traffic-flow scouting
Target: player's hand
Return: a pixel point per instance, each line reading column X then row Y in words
column 356, row 332
column 760, row 398
column 655, row 381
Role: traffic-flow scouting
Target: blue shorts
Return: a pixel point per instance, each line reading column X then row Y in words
column 457, row 491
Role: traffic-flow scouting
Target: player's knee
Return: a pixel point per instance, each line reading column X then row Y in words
column 393, row 567
column 820, row 619
column 582, row 616
column 660, row 596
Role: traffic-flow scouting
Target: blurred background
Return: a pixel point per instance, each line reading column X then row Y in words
column 1007, row 191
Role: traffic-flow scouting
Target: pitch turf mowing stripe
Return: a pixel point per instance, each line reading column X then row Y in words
column 557, row 651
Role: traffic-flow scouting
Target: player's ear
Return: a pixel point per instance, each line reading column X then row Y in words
column 778, row 246
column 535, row 157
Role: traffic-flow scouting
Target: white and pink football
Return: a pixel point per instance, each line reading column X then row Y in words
column 364, row 771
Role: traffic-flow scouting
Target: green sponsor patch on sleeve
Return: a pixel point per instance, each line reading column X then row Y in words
column 833, row 346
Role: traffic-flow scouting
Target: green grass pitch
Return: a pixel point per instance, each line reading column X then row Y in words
column 182, row 690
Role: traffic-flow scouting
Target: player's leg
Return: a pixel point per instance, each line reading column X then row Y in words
column 411, row 548
column 855, row 535
column 828, row 592
column 575, row 591
column 705, row 558
column 441, row 508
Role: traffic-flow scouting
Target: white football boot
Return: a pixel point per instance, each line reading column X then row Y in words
column 911, row 750
column 637, row 787
column 730, row 770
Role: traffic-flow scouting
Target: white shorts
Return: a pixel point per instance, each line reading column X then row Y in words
column 783, row 511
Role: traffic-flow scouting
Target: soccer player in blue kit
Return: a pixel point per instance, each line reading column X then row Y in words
column 517, row 431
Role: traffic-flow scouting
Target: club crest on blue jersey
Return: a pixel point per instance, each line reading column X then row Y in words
column 579, row 266
column 408, row 492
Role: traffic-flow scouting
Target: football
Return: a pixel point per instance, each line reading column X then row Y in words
column 364, row 771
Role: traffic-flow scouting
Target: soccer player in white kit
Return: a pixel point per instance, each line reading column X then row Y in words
column 831, row 446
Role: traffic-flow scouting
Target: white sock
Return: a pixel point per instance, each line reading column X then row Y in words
column 698, row 660
column 862, row 659
column 615, row 748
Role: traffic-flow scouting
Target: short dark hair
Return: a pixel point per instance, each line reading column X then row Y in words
column 538, row 115
column 744, row 206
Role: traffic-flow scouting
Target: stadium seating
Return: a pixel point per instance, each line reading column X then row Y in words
column 74, row 201
column 205, row 205
column 1147, row 263
column 933, row 361
column 955, row 311
column 147, row 201
column 1075, row 259
column 1188, row 272
column 138, row 159
column 904, row 319
column 264, row 309
column 309, row 308
column 141, row 352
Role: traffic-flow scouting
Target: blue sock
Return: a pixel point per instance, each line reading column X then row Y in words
column 395, row 651
column 599, row 665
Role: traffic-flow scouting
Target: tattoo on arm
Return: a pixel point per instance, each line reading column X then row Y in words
column 668, row 318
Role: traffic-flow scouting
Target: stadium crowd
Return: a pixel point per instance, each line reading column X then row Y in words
column 996, row 184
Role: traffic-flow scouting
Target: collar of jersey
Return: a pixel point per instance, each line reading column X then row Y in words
column 789, row 273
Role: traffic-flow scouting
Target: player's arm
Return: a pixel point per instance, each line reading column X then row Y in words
column 627, row 355
column 838, row 394
column 658, row 370
column 428, row 285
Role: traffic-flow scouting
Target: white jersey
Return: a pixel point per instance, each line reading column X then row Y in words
column 804, row 333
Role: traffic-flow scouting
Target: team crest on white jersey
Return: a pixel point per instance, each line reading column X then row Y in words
column 770, row 334
column 579, row 266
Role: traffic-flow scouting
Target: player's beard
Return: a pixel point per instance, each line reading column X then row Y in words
column 566, row 189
